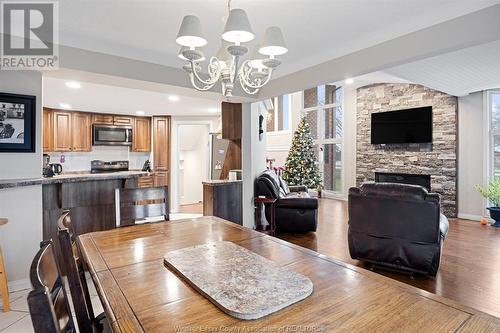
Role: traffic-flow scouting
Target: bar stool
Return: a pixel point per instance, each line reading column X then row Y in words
column 4, row 288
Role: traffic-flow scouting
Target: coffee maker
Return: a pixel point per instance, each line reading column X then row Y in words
column 47, row 170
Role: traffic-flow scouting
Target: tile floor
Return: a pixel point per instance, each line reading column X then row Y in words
column 18, row 320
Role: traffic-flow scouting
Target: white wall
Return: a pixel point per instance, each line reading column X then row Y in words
column 279, row 143
column 20, row 238
column 349, row 140
column 212, row 122
column 193, row 162
column 253, row 155
column 471, row 159
column 80, row 161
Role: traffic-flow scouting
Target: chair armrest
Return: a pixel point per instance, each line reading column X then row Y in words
column 298, row 188
column 297, row 203
column 443, row 225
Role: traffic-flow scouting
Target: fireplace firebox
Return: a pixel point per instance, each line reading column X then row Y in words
column 404, row 178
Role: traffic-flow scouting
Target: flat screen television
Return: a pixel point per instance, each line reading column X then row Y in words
column 403, row 126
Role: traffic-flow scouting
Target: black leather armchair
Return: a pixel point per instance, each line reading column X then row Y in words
column 396, row 225
column 296, row 211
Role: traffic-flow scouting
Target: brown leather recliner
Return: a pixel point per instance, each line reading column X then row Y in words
column 295, row 210
column 396, row 225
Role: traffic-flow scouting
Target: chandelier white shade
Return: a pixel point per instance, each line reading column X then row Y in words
column 237, row 29
column 227, row 66
column 274, row 43
column 190, row 32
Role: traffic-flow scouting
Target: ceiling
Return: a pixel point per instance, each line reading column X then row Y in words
column 117, row 98
column 456, row 73
column 316, row 31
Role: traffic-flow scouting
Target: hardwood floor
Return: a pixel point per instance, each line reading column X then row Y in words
column 470, row 263
column 196, row 208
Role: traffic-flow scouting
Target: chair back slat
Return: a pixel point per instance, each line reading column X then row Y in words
column 48, row 303
column 78, row 287
column 133, row 204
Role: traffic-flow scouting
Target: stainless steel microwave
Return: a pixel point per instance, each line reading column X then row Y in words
column 106, row 135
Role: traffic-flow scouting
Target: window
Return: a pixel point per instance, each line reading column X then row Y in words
column 279, row 118
column 323, row 109
column 494, row 115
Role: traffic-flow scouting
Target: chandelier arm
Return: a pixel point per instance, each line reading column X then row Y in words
column 214, row 76
column 246, row 70
column 193, row 83
column 245, row 88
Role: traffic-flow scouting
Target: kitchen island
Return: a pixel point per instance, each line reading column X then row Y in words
column 89, row 197
column 223, row 198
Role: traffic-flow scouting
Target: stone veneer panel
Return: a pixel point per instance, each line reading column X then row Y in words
column 439, row 160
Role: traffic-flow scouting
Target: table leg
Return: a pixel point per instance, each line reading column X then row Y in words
column 4, row 288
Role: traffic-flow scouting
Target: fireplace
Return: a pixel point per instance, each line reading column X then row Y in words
column 404, row 178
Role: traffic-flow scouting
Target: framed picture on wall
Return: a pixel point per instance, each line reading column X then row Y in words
column 17, row 123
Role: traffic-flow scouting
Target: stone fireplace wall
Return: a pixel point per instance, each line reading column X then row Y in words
column 438, row 160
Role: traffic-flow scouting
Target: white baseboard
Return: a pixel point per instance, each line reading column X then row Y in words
column 19, row 285
column 470, row 217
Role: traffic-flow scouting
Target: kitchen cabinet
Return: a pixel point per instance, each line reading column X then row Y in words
column 123, row 121
column 104, row 119
column 65, row 131
column 141, row 137
column 81, row 132
column 161, row 150
column 47, row 144
column 62, row 134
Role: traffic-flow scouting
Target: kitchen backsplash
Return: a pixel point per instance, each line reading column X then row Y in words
column 75, row 161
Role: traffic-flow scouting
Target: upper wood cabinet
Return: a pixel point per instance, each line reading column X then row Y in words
column 81, row 132
column 231, row 120
column 105, row 119
column 62, row 134
column 72, row 130
column 141, row 137
column 48, row 143
column 123, row 121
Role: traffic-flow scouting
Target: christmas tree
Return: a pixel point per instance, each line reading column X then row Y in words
column 301, row 166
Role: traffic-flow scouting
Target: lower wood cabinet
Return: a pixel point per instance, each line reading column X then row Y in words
column 145, row 181
column 161, row 179
column 224, row 200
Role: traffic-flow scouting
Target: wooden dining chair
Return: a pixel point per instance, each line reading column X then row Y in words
column 73, row 266
column 48, row 303
column 135, row 204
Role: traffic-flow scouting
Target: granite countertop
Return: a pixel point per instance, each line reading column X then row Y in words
column 252, row 286
column 219, row 182
column 71, row 178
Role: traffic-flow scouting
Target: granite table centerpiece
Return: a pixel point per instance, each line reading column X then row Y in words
column 241, row 283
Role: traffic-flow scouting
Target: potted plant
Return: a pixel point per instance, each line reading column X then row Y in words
column 492, row 193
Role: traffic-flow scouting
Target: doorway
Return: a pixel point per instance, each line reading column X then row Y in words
column 194, row 163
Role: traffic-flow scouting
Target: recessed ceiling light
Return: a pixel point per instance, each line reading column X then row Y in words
column 73, row 85
column 65, row 105
column 173, row 98
column 349, row 81
column 213, row 110
column 140, row 113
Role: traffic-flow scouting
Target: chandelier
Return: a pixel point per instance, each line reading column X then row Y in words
column 227, row 66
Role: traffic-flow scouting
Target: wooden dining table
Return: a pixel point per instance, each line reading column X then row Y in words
column 140, row 294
